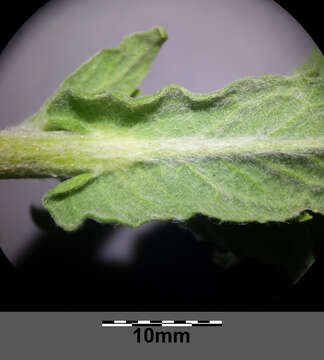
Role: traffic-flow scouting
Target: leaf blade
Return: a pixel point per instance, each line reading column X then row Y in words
column 119, row 69
column 247, row 150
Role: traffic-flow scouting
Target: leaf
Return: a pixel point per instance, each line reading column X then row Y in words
column 289, row 247
column 119, row 69
column 253, row 151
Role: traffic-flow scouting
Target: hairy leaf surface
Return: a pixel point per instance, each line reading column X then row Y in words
column 253, row 151
column 119, row 69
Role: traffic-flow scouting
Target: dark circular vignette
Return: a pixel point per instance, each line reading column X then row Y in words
column 17, row 14
column 19, row 293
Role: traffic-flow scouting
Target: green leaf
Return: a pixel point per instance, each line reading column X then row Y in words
column 251, row 152
column 119, row 69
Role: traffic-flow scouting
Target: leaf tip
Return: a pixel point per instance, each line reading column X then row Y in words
column 162, row 32
column 304, row 216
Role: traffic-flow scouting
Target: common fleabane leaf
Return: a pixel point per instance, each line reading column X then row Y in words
column 251, row 152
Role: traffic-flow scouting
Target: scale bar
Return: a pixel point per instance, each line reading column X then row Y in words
column 162, row 323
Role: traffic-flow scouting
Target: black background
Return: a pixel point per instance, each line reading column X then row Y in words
column 172, row 271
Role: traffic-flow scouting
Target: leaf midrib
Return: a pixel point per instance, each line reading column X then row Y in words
column 104, row 148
